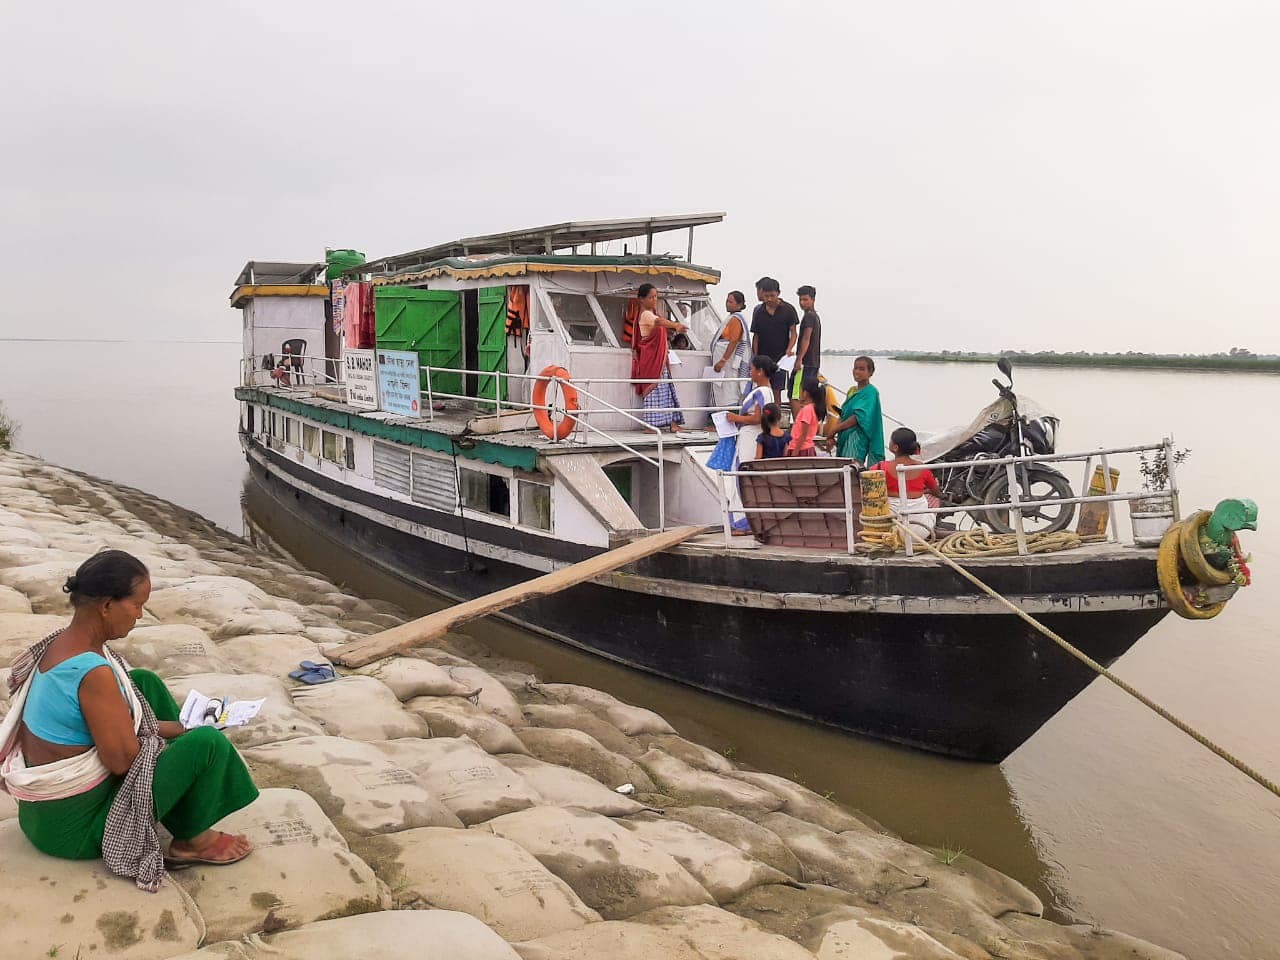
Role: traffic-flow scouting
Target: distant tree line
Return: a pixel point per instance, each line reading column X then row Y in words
column 1237, row 358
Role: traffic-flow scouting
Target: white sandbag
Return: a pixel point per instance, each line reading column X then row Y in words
column 458, row 717
column 18, row 631
column 586, row 754
column 172, row 650
column 612, row 940
column 755, row 841
column 724, row 870
column 473, row 785
column 390, row 935
column 493, row 697
column 273, row 654
column 694, row 754
column 360, row 708
column 84, row 910
column 224, row 606
column 300, row 870
column 964, row 879
column 11, row 601
column 357, row 786
column 609, row 867
column 871, row 938
column 719, row 935
column 803, row 803
column 479, row 873
column 410, row 677
column 835, row 860
column 564, row 787
column 41, row 583
column 632, row 721
column 573, row 716
column 1078, row 939
column 677, row 779
column 278, row 719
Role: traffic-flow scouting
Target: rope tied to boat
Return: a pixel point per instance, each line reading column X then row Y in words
column 1254, row 775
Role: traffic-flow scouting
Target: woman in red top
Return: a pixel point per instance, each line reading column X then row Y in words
column 904, row 446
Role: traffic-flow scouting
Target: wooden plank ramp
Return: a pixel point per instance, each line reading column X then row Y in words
column 422, row 631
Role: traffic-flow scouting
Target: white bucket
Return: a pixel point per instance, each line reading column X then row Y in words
column 1151, row 518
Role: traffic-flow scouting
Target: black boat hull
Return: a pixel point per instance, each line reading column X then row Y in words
column 972, row 685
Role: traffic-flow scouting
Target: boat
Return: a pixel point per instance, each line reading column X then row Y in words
column 489, row 434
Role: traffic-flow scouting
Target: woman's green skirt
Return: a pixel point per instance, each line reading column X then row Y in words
column 199, row 780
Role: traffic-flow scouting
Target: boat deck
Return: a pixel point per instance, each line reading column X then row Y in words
column 459, row 418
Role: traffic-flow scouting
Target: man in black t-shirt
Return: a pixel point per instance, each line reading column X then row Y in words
column 808, row 349
column 773, row 329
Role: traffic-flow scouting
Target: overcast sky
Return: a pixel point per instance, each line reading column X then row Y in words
column 983, row 175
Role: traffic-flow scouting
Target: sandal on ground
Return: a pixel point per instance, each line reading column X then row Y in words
column 212, row 858
column 313, row 673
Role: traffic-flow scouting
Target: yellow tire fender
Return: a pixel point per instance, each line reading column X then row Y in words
column 1167, row 574
column 1193, row 556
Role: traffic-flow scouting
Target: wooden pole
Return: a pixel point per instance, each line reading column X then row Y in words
column 422, row 631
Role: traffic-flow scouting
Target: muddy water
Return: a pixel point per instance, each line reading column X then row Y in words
column 1110, row 814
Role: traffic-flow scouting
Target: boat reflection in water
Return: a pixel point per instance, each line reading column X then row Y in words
column 928, row 799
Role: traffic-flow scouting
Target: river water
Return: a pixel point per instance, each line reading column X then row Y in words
column 1109, row 813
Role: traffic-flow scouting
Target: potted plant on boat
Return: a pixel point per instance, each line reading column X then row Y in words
column 1152, row 515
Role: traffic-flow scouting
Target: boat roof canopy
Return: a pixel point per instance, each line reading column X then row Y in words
column 273, row 272
column 495, row 266
column 543, row 242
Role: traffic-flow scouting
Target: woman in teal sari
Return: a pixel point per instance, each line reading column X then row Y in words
column 860, row 432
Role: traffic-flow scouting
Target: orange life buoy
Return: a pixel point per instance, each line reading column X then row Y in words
column 553, row 428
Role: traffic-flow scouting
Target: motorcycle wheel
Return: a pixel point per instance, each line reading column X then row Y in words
column 1038, row 485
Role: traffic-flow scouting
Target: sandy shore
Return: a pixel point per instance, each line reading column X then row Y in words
column 448, row 804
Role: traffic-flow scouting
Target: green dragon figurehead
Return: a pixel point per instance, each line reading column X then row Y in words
column 1217, row 536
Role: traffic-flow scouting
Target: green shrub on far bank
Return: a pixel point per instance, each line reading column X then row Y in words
column 8, row 429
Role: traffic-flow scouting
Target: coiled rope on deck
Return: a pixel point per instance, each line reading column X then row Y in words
column 1092, row 664
column 981, row 543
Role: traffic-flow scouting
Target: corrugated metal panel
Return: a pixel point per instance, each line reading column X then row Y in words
column 434, row 483
column 391, row 468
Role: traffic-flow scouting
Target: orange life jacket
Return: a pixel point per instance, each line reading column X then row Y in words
column 517, row 309
column 629, row 319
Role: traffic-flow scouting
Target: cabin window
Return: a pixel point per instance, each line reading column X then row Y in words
column 248, row 418
column 391, row 467
column 290, row 430
column 485, row 492
column 579, row 318
column 349, row 453
column 535, row 505
column 311, row 439
column 699, row 316
column 332, row 446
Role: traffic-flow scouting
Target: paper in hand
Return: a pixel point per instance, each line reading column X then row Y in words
column 787, row 363
column 723, row 427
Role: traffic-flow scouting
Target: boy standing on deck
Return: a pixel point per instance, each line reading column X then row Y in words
column 809, row 352
column 773, row 329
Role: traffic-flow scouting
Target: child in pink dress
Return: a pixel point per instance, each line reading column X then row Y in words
column 805, row 430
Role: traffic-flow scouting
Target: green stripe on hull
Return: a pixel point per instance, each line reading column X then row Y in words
column 519, row 458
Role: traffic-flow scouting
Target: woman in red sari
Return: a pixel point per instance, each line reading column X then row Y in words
column 649, row 362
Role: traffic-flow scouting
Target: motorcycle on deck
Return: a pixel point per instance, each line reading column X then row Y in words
column 1006, row 428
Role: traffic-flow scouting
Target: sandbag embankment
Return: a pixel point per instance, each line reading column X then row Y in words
column 446, row 803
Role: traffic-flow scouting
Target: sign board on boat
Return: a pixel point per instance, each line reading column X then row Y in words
column 399, row 383
column 360, row 374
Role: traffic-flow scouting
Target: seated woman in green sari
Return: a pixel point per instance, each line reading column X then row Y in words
column 94, row 753
column 860, row 432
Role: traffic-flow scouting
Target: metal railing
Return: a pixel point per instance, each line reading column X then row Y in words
column 1016, row 506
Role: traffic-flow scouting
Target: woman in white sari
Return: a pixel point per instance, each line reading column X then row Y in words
column 731, row 353
column 730, row 452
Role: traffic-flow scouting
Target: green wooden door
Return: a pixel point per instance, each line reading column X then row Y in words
column 428, row 322
column 492, row 341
